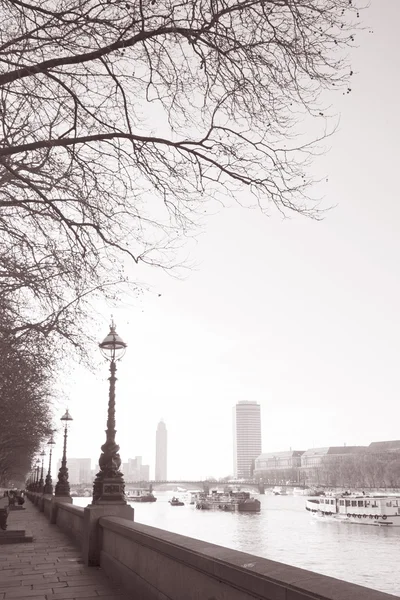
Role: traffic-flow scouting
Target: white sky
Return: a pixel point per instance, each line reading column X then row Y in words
column 301, row 316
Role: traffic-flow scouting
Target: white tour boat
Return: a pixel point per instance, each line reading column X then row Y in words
column 356, row 508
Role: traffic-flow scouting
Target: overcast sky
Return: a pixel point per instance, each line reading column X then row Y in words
column 301, row 316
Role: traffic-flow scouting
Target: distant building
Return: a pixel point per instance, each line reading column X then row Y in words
column 314, row 457
column 79, row 470
column 134, row 470
column 161, row 452
column 246, row 437
column 278, row 461
column 316, row 463
column 384, row 447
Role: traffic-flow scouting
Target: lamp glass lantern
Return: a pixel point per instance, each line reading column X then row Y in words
column 113, row 347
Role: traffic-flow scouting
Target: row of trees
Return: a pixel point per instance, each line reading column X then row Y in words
column 120, row 120
column 25, row 410
column 362, row 470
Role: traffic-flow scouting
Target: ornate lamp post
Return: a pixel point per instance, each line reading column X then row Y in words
column 41, row 482
column 62, row 485
column 48, row 488
column 109, row 485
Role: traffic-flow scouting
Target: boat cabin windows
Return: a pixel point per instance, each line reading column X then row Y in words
column 341, row 502
column 389, row 503
column 347, row 502
column 360, row 503
column 374, row 504
column 354, row 502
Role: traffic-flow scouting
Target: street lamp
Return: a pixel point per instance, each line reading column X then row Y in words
column 41, row 482
column 37, row 469
column 48, row 488
column 62, row 485
column 109, row 485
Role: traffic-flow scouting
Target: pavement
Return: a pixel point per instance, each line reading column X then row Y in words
column 50, row 567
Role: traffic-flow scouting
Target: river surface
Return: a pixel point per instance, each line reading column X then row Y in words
column 284, row 531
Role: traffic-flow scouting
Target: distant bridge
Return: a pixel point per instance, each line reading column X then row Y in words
column 207, row 484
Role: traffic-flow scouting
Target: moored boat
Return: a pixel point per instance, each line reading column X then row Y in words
column 140, row 496
column 228, row 502
column 355, row 508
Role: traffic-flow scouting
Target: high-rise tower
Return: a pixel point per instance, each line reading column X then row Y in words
column 246, row 436
column 161, row 452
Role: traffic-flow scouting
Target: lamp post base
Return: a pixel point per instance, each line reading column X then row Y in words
column 109, row 490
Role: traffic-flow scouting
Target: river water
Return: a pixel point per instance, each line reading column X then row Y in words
column 284, row 531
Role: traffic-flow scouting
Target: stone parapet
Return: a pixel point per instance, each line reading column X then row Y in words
column 154, row 564
column 161, row 565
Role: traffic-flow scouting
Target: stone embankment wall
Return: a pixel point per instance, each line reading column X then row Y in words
column 153, row 564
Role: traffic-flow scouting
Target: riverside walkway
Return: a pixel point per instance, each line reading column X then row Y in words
column 50, row 567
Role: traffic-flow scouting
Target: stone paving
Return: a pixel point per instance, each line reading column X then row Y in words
column 50, row 567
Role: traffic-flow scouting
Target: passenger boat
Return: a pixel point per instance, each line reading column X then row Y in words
column 228, row 502
column 140, row 496
column 354, row 508
column 176, row 502
column 194, row 496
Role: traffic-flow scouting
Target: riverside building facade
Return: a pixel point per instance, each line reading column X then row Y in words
column 246, row 437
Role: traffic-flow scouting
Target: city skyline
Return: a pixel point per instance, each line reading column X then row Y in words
column 265, row 452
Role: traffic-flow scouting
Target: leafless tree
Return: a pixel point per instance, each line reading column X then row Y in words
column 121, row 119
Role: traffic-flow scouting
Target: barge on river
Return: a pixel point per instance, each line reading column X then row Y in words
column 228, row 502
column 140, row 496
column 361, row 509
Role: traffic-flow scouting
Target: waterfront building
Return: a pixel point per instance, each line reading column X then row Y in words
column 384, row 448
column 246, row 437
column 161, row 452
column 324, row 465
column 374, row 465
column 279, row 462
column 316, row 457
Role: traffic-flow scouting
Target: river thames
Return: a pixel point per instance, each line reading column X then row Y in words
column 284, row 531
